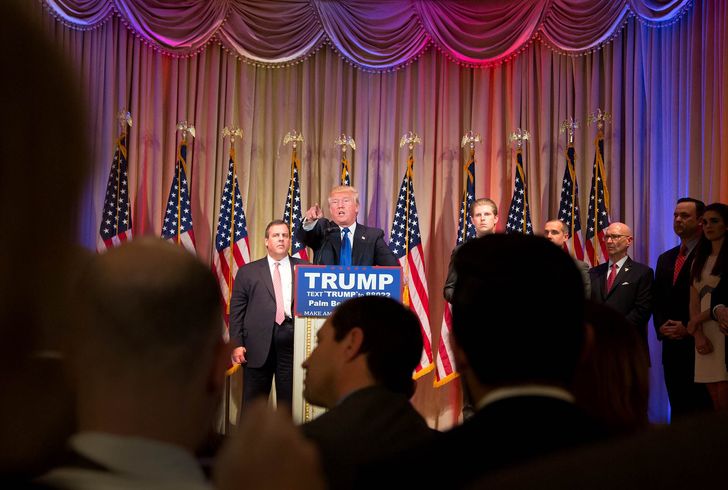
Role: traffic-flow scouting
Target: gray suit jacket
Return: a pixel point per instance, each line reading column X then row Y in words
column 253, row 310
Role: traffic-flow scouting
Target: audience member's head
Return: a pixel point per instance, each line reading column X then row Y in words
column 618, row 238
column 344, row 205
column 484, row 216
column 369, row 340
column 43, row 163
column 612, row 381
column 517, row 312
column 149, row 354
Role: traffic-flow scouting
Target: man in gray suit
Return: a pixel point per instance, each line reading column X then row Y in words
column 261, row 323
column 555, row 230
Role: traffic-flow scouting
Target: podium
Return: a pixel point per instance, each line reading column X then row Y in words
column 318, row 289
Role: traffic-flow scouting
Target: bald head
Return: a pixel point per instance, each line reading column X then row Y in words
column 618, row 237
column 151, row 306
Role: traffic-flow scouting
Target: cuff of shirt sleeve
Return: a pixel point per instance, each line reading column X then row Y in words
column 308, row 225
column 715, row 308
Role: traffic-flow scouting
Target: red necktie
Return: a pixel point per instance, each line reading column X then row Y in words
column 612, row 275
column 681, row 256
column 278, row 289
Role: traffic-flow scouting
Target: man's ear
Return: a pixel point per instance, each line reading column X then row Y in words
column 352, row 343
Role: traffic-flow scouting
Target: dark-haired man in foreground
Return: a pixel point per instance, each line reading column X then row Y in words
column 361, row 370
column 518, row 362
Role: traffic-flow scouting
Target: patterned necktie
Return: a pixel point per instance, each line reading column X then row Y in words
column 278, row 289
column 345, row 258
column 681, row 256
column 612, row 275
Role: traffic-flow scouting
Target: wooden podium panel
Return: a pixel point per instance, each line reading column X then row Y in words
column 304, row 341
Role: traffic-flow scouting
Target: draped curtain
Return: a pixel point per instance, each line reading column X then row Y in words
column 438, row 68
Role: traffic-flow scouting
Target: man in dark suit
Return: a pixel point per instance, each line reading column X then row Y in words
column 671, row 293
column 621, row 283
column 361, row 370
column 343, row 241
column 261, row 324
column 517, row 361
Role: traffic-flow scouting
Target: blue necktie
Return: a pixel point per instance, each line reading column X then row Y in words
column 345, row 258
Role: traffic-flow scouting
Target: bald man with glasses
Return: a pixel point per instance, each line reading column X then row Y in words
column 621, row 283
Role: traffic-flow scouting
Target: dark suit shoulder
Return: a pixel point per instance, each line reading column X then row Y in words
column 668, row 254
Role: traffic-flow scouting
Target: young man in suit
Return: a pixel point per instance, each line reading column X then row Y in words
column 261, row 323
column 483, row 217
column 361, row 370
column 622, row 283
column 671, row 293
column 341, row 240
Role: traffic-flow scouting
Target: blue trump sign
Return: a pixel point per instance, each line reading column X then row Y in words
column 320, row 288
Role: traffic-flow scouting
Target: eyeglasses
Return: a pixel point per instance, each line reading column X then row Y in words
column 613, row 237
column 345, row 201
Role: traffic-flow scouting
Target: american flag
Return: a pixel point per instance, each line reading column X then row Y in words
column 345, row 171
column 177, row 223
column 115, row 227
column 231, row 228
column 569, row 207
column 292, row 211
column 519, row 214
column 598, row 219
column 445, row 369
column 406, row 244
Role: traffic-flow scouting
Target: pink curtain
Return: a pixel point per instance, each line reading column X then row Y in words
column 371, row 35
column 666, row 88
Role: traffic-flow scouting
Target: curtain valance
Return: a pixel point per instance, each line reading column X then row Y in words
column 372, row 35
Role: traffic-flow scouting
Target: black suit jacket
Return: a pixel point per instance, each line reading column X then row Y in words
column 366, row 425
column 503, row 433
column 325, row 240
column 672, row 302
column 631, row 294
column 253, row 310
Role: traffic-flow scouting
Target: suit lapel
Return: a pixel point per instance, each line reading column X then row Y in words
column 293, row 262
column 335, row 240
column 356, row 246
column 264, row 274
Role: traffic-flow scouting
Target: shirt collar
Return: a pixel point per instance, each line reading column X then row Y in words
column 620, row 262
column 351, row 227
column 549, row 391
column 140, row 457
column 690, row 245
column 284, row 261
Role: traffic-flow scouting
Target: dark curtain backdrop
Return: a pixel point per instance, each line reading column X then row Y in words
column 324, row 68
